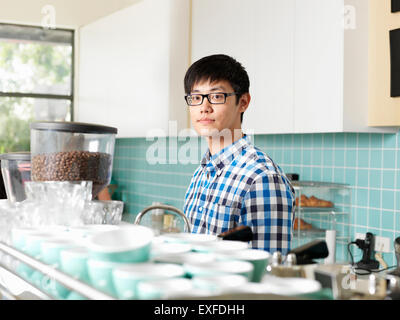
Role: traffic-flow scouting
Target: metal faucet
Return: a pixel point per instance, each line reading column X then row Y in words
column 165, row 207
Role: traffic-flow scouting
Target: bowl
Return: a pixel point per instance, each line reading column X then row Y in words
column 127, row 244
column 127, row 277
column 258, row 258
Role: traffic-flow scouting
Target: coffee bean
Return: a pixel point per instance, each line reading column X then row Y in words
column 73, row 166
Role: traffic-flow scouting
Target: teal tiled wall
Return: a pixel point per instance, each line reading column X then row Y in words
column 367, row 162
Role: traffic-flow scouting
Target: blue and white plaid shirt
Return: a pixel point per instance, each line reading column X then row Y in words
column 241, row 185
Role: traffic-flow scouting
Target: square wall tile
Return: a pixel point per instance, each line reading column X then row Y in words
column 389, row 159
column 316, row 174
column 376, row 158
column 328, row 140
column 339, row 157
column 362, row 178
column 388, row 199
column 388, row 177
column 317, row 140
column 374, row 218
column 362, row 216
column 317, row 157
column 363, row 140
column 350, row 157
column 327, row 173
column 350, row 176
column 388, row 220
column 351, row 140
column 338, row 175
column 363, row 158
column 375, row 177
column 389, row 140
column 362, row 197
column 339, row 140
column 327, row 157
column 298, row 140
column 374, row 196
column 307, row 140
column 376, row 140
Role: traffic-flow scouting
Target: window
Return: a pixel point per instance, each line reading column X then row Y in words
column 36, row 81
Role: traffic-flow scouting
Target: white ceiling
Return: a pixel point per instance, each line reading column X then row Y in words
column 68, row 13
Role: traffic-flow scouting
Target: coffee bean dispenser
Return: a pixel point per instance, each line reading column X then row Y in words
column 72, row 151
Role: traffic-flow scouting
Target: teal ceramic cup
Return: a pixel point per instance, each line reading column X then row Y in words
column 127, row 277
column 100, row 275
column 50, row 254
column 73, row 261
column 33, row 242
column 18, row 240
column 243, row 268
column 127, row 244
column 258, row 258
column 51, row 249
column 164, row 289
column 18, row 237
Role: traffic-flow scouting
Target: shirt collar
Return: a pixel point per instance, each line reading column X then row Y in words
column 224, row 157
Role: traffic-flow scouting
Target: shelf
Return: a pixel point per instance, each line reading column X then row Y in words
column 317, row 234
column 318, row 184
column 320, row 210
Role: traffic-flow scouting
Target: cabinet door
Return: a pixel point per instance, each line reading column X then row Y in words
column 131, row 68
column 259, row 34
column 319, row 52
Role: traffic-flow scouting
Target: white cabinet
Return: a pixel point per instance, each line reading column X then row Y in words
column 131, row 68
column 307, row 60
column 318, row 67
column 259, row 34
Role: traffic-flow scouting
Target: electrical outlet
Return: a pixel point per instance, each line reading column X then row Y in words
column 382, row 244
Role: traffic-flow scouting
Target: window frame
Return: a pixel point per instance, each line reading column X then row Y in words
column 70, row 97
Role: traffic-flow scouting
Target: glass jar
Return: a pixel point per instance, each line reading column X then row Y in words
column 72, row 151
column 15, row 169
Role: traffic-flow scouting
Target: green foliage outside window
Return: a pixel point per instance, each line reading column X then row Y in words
column 29, row 67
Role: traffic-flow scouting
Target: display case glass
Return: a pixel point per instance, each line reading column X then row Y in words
column 322, row 206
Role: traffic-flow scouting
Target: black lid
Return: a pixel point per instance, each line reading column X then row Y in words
column 72, row 127
column 25, row 156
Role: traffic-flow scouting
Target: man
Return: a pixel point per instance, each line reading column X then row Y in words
column 236, row 183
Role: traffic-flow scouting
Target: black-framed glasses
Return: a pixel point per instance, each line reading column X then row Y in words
column 214, row 98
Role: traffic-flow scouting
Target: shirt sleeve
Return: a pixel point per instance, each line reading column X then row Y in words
column 268, row 208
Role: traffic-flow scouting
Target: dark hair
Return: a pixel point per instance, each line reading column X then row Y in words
column 218, row 67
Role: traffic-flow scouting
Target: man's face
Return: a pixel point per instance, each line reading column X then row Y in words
column 211, row 119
